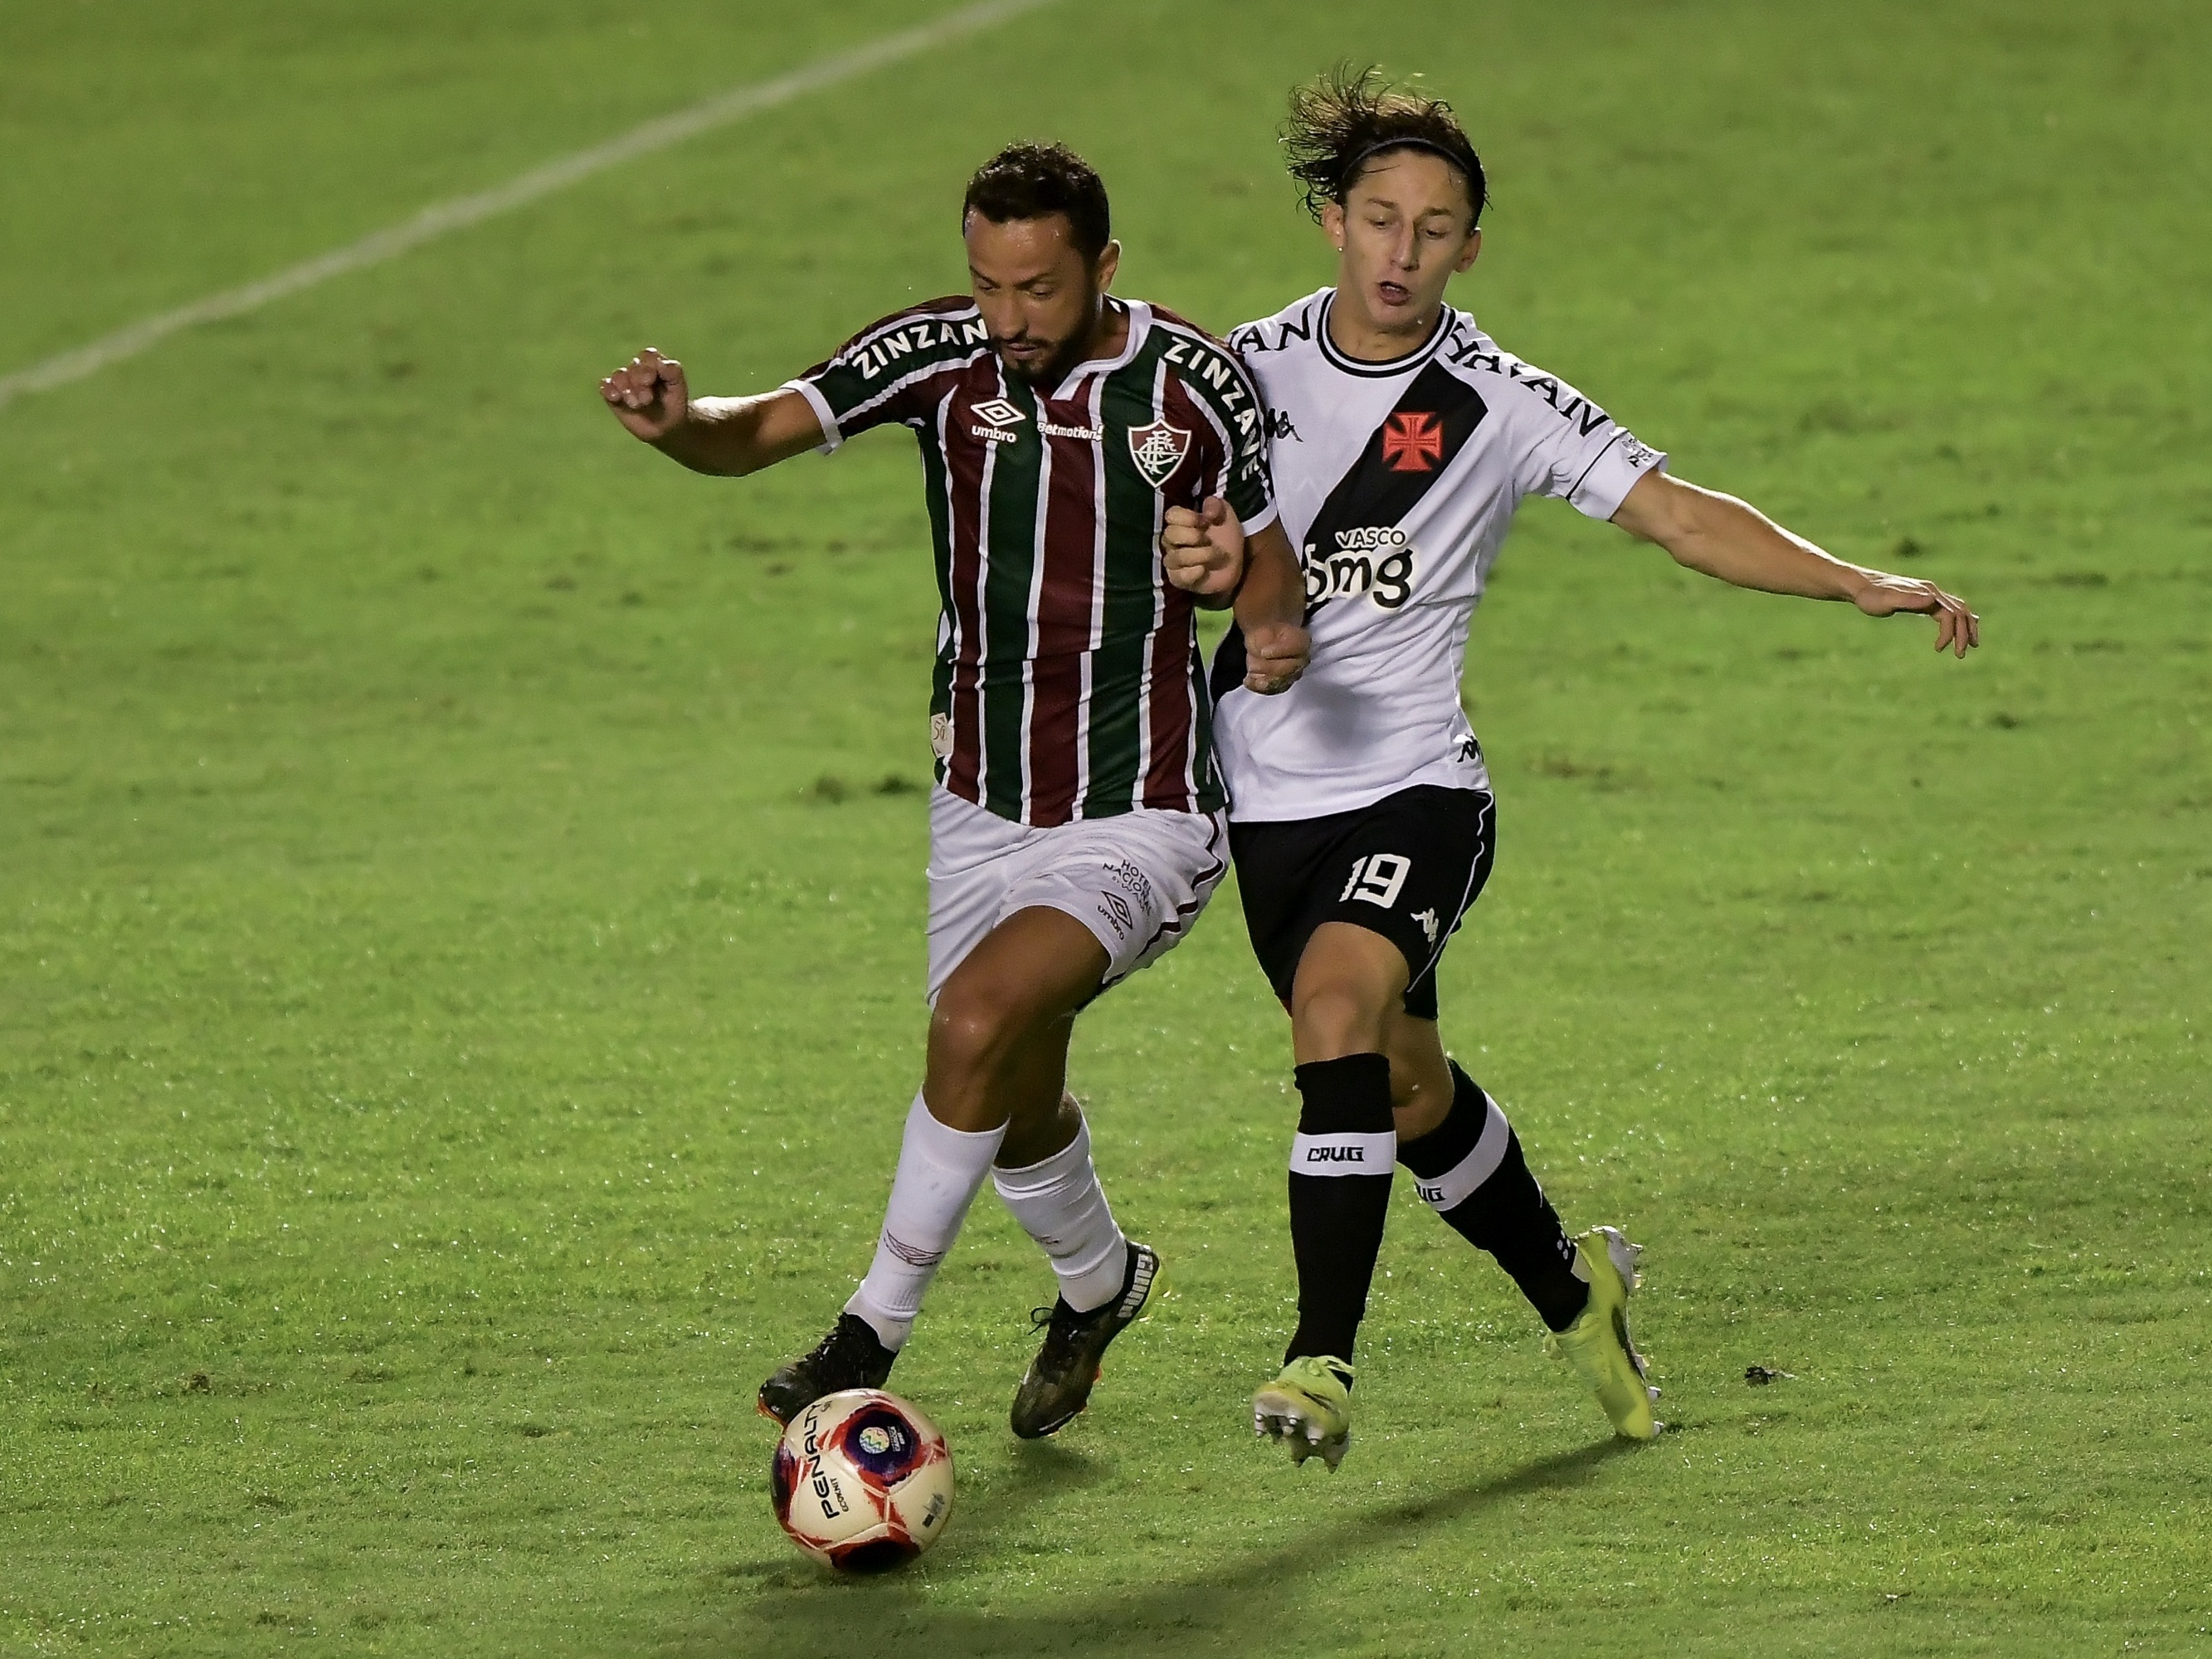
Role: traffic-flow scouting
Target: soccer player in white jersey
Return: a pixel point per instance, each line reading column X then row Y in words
column 1076, row 828
column 1361, row 816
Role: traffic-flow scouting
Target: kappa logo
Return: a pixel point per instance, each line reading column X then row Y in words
column 1412, row 441
column 1429, row 924
column 1281, row 427
column 1158, row 450
column 1004, row 418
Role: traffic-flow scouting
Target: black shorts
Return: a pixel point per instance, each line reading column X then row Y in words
column 1407, row 867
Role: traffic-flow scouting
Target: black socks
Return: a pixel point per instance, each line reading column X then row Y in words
column 1470, row 1171
column 1341, row 1166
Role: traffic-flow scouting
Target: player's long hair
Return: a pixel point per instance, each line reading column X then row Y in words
column 1343, row 119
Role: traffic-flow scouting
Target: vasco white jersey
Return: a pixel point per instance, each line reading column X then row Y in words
column 1397, row 482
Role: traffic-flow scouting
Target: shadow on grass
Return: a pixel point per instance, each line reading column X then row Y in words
column 1253, row 1604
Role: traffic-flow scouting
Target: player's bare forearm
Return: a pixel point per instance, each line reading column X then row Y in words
column 1735, row 543
column 728, row 437
column 1271, row 603
column 731, row 437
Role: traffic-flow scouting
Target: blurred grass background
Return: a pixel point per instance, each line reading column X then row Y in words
column 459, row 961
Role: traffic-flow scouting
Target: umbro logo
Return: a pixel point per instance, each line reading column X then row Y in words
column 1117, row 913
column 1003, row 418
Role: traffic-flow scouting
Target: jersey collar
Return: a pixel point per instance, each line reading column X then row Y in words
column 1140, row 323
column 1391, row 367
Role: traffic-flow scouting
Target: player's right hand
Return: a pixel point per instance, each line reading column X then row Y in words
column 1203, row 551
column 1275, row 654
column 648, row 395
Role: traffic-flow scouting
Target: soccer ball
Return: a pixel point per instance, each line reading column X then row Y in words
column 862, row 1480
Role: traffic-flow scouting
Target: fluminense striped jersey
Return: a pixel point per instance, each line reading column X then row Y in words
column 1068, row 682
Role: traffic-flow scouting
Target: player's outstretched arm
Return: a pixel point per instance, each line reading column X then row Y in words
column 726, row 436
column 1733, row 541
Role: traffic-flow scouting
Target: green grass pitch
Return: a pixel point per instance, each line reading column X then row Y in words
column 460, row 877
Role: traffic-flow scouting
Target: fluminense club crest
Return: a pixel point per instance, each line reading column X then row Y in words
column 1158, row 450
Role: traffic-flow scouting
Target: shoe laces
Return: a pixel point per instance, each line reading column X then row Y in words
column 844, row 1338
column 1059, row 1315
column 1059, row 1324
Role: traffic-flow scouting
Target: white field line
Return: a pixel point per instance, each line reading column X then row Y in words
column 463, row 211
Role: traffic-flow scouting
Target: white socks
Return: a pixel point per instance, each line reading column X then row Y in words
column 939, row 1170
column 1061, row 1205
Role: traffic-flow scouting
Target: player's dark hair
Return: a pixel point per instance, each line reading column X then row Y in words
column 1342, row 121
column 1034, row 181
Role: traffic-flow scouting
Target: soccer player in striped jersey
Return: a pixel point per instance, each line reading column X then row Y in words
column 1361, row 813
column 1076, row 829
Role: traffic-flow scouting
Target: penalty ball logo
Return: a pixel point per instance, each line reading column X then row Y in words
column 827, row 1490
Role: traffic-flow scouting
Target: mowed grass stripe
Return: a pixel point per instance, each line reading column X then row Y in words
column 460, row 214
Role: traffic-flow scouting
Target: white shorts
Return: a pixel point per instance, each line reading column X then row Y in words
column 1137, row 880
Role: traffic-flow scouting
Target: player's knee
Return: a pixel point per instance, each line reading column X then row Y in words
column 1336, row 1016
column 969, row 1032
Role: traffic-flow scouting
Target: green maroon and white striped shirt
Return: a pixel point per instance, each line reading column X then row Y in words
column 1068, row 682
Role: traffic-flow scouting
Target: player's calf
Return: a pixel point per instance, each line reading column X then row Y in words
column 1470, row 1170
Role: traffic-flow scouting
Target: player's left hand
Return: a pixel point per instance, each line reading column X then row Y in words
column 1203, row 551
column 1957, row 629
column 1275, row 654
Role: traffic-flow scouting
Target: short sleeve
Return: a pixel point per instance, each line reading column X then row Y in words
column 1249, row 488
column 1239, row 472
column 1577, row 452
column 882, row 376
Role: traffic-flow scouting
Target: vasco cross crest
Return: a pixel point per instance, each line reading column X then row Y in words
column 1158, row 450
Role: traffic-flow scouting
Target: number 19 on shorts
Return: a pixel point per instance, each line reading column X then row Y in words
column 1378, row 879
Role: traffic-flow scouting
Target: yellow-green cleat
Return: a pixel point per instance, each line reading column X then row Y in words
column 1597, row 1343
column 1307, row 1408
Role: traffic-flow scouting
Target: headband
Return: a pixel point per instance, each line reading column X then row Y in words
column 1352, row 168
